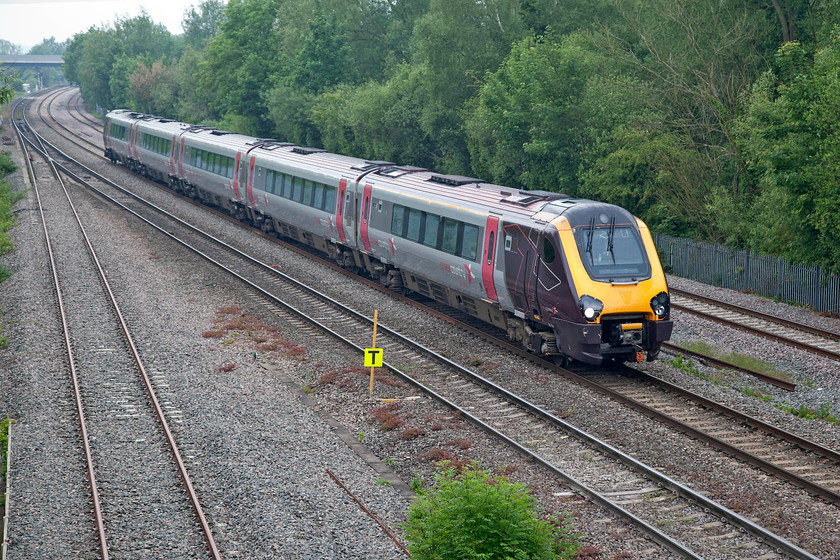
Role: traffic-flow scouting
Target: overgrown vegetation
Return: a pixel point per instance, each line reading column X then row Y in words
column 703, row 118
column 4, row 450
column 7, row 217
column 472, row 515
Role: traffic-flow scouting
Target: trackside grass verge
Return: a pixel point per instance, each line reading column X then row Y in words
column 740, row 360
column 7, row 217
column 4, row 450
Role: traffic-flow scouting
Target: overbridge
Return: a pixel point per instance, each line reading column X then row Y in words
column 29, row 60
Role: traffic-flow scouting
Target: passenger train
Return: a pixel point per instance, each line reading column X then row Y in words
column 569, row 278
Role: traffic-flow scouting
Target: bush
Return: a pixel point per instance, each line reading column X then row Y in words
column 474, row 516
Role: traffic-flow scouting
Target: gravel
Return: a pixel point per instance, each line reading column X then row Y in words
column 258, row 444
column 257, row 455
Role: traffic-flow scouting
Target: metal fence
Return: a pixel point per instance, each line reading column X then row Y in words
column 743, row 270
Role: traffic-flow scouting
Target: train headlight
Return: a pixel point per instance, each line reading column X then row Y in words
column 590, row 307
column 661, row 305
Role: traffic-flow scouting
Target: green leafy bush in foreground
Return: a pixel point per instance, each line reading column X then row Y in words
column 475, row 516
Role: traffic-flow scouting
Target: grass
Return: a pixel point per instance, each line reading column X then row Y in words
column 822, row 412
column 740, row 360
column 4, row 450
column 7, row 216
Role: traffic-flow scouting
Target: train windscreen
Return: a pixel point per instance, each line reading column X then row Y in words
column 612, row 252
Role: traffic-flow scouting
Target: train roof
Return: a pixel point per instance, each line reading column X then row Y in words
column 458, row 191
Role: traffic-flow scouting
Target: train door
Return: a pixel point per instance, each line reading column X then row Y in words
column 173, row 151
column 533, row 276
column 240, row 175
column 132, row 139
column 339, row 210
column 250, row 186
column 488, row 261
column 365, row 217
column 181, row 160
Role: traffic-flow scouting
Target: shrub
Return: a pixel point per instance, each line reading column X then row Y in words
column 474, row 516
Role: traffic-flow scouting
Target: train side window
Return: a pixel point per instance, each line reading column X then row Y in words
column 398, row 220
column 469, row 242
column 308, row 190
column 284, row 185
column 549, row 254
column 449, row 240
column 431, row 230
column 318, row 202
column 329, row 198
column 413, row 230
column 269, row 179
column 298, row 182
column 491, row 247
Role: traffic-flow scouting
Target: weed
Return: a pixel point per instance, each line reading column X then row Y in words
column 417, row 485
column 685, row 365
column 475, row 362
column 823, row 412
column 393, row 423
column 471, row 514
column 361, row 436
column 461, row 443
column 757, row 394
column 390, row 462
column 411, row 433
column 436, row 455
column 383, row 482
column 328, row 378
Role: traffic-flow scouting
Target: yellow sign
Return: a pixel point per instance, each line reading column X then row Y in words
column 373, row 357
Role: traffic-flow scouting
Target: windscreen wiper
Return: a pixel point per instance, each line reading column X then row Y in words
column 591, row 235
column 610, row 239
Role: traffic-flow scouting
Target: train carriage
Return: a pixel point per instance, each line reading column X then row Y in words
column 575, row 279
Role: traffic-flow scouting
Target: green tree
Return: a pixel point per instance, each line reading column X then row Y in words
column 474, row 516
column 792, row 146
column 202, row 23
column 6, row 91
column 238, row 64
column 455, row 43
column 523, row 126
column 379, row 121
column 7, row 47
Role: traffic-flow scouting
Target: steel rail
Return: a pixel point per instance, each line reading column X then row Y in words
column 757, row 314
column 760, row 332
column 74, row 376
column 173, row 446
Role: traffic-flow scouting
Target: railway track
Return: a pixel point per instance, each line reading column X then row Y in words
column 123, row 426
column 545, row 435
column 803, row 337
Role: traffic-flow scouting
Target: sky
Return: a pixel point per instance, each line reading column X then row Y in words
column 28, row 22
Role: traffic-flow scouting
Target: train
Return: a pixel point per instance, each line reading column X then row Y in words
column 568, row 278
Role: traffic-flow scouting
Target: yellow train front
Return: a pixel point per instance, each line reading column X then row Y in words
column 598, row 282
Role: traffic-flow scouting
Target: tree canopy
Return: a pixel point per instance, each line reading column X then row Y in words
column 707, row 119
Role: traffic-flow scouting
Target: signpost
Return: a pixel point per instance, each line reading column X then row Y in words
column 373, row 355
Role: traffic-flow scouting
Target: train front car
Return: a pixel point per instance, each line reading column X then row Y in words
column 615, row 304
